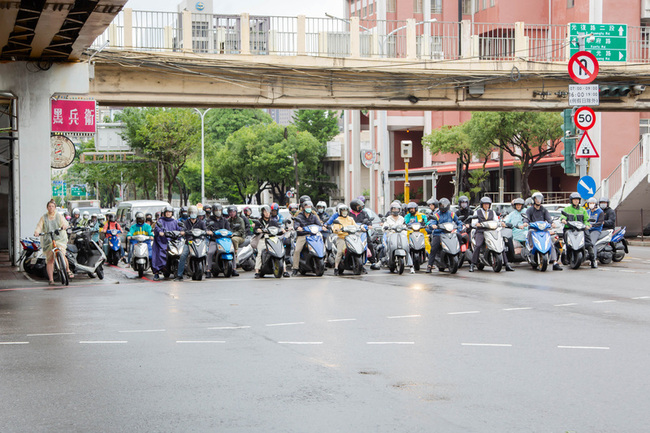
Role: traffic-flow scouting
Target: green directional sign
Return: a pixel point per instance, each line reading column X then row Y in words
column 58, row 188
column 607, row 42
column 78, row 190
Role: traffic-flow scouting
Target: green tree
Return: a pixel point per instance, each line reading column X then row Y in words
column 220, row 123
column 526, row 136
column 322, row 124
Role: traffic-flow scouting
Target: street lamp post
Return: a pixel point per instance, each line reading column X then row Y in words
column 202, row 114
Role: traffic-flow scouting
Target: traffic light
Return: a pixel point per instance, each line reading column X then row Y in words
column 569, row 151
column 614, row 91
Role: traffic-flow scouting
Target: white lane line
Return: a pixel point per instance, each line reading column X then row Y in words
column 199, row 342
column 342, row 320
column 604, row 301
column 103, row 342
column 286, row 324
column 486, row 344
column 404, row 317
column 390, row 342
column 51, row 334
column 135, row 331
column 11, row 343
column 301, row 342
column 583, row 347
column 230, row 327
column 517, row 308
column 642, row 297
column 628, row 270
column 565, row 305
column 464, row 312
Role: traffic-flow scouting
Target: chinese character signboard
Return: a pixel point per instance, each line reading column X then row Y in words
column 607, row 42
column 71, row 115
column 78, row 190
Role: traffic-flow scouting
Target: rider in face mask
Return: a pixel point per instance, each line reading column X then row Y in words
column 610, row 214
column 301, row 221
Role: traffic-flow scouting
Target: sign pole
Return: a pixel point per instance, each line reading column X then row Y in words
column 406, row 181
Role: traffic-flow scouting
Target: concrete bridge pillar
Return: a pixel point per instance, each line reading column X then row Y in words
column 355, row 38
column 466, row 39
column 128, row 28
column 187, row 31
column 301, row 28
column 245, row 29
column 411, row 40
column 521, row 41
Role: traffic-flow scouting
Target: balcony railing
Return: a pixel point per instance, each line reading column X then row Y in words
column 357, row 38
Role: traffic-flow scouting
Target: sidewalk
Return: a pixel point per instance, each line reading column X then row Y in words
column 10, row 276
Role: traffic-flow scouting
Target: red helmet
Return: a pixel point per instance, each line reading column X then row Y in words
column 275, row 206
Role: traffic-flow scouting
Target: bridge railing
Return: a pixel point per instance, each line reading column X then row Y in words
column 639, row 157
column 354, row 37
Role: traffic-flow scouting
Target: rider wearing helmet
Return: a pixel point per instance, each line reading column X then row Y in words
column 159, row 250
column 395, row 219
column 535, row 213
column 320, row 211
column 303, row 199
column 275, row 213
column 579, row 213
column 141, row 227
column 215, row 222
column 193, row 222
column 93, row 224
column 413, row 216
column 208, row 210
column 239, row 229
column 343, row 220
column 441, row 216
column 433, row 205
column 76, row 215
column 85, row 219
column 515, row 219
column 305, row 218
column 202, row 214
column 483, row 214
column 183, row 214
column 246, row 215
column 464, row 212
column 294, row 208
column 596, row 219
column 610, row 214
column 111, row 224
column 264, row 222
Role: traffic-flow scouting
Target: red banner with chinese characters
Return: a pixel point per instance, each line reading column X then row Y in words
column 70, row 115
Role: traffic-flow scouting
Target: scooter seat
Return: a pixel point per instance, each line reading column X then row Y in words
column 72, row 248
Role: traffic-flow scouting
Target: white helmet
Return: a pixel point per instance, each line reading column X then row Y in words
column 193, row 211
column 86, row 215
column 321, row 204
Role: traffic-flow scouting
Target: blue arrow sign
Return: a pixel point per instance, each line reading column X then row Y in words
column 586, row 187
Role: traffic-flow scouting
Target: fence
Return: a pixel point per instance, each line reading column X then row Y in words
column 547, row 43
column 550, row 197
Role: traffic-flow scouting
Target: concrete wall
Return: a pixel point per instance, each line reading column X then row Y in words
column 34, row 89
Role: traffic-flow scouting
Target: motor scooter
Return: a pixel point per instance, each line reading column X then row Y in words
column 396, row 248
column 312, row 256
column 85, row 256
column 141, row 255
column 537, row 253
column 175, row 246
column 417, row 245
column 603, row 247
column 273, row 254
column 330, row 249
column 198, row 245
column 449, row 254
column 619, row 244
column 491, row 253
column 246, row 255
column 355, row 250
column 31, row 259
column 223, row 260
column 113, row 246
column 574, row 240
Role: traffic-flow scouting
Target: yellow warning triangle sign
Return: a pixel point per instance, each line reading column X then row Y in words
column 586, row 148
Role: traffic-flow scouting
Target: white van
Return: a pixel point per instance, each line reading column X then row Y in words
column 125, row 213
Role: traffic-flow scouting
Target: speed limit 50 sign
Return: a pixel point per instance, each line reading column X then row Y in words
column 584, row 118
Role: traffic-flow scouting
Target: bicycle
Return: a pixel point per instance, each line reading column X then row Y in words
column 59, row 259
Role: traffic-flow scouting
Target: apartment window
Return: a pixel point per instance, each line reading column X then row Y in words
column 436, row 6
column 467, row 7
column 570, row 3
column 492, row 3
column 391, row 6
column 417, row 6
column 484, row 4
column 477, row 5
column 371, row 8
column 644, row 127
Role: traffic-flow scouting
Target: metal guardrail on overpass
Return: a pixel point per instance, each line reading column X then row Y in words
column 337, row 37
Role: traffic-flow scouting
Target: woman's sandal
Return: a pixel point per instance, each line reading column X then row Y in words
column 70, row 274
column 52, row 282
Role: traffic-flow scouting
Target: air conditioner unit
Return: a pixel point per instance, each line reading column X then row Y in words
column 494, row 156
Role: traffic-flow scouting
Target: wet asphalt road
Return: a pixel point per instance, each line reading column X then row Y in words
column 482, row 352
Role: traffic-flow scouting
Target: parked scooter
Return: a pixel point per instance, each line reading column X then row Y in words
column 619, row 245
column 449, row 255
column 85, row 256
column 246, row 255
column 330, row 249
column 198, row 245
column 223, row 260
column 575, row 251
column 417, row 245
column 491, row 253
column 32, row 259
column 273, row 255
column 355, row 250
column 175, row 246
column 538, row 253
column 114, row 246
column 396, row 244
column 312, row 256
column 603, row 247
column 140, row 257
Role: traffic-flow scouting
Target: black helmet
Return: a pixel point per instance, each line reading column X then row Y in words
column 183, row 210
column 110, row 216
column 356, row 205
column 139, row 218
column 485, row 200
column 444, row 205
column 148, row 215
column 304, row 198
column 232, row 208
column 207, row 208
column 463, row 201
column 604, row 200
column 217, row 209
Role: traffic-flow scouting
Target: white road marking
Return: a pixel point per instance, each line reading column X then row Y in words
column 11, row 343
column 518, row 308
column 104, row 342
column 286, row 324
column 135, row 331
column 404, row 317
column 583, row 347
column 199, row 342
column 628, row 270
column 342, row 320
column 642, row 297
column 230, row 327
column 300, row 342
column 390, row 342
column 604, row 301
column 486, row 344
column 464, row 312
column 51, row 334
column 565, row 305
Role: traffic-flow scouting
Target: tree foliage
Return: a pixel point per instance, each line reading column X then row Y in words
column 322, row 124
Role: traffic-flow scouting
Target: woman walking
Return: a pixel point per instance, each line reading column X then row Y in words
column 53, row 221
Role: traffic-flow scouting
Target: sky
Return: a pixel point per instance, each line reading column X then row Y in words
column 291, row 8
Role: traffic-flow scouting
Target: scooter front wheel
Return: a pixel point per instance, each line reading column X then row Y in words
column 400, row 265
column 454, row 263
column 319, row 266
column 277, row 267
column 497, row 262
column 100, row 272
column 356, row 265
column 575, row 259
column 416, row 262
column 197, row 275
column 140, row 270
column 543, row 262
